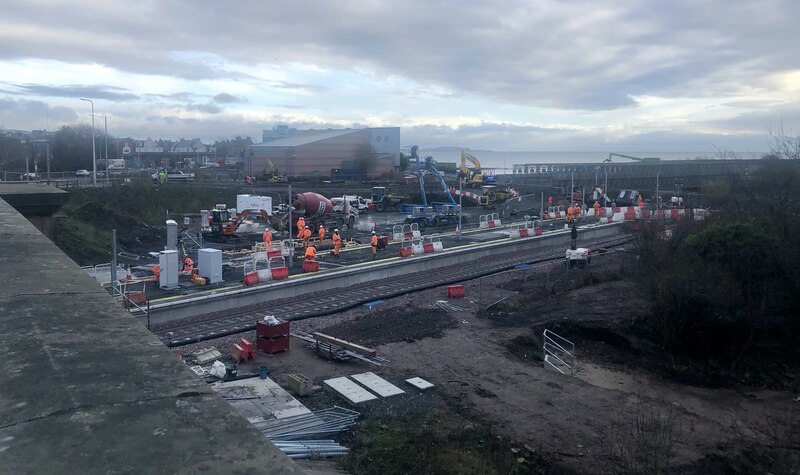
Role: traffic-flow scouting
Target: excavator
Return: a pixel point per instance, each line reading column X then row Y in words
column 270, row 173
column 474, row 177
column 222, row 226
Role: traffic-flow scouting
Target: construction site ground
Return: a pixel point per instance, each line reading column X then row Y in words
column 502, row 410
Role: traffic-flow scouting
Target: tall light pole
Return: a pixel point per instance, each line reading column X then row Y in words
column 105, row 129
column 572, row 188
column 605, row 187
column 94, row 156
column 658, row 197
column 460, row 197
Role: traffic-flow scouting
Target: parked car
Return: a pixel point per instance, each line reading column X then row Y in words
column 30, row 176
column 82, row 173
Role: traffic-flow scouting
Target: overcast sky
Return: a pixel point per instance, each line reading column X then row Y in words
column 569, row 75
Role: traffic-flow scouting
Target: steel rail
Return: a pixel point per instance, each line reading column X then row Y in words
column 338, row 300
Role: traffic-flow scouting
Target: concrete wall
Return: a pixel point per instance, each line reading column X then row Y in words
column 87, row 389
column 386, row 140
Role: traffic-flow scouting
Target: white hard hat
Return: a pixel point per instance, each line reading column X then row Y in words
column 373, row 232
column 336, row 230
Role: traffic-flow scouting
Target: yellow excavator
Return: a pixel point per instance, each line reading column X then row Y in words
column 473, row 177
column 270, row 172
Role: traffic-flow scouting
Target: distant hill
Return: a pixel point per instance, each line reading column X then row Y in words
column 446, row 149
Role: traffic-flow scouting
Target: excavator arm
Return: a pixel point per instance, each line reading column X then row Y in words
column 476, row 165
column 474, row 176
column 463, row 167
column 248, row 212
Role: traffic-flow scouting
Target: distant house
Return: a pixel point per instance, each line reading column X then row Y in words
column 190, row 146
column 148, row 146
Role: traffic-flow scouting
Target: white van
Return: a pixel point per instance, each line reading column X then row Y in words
column 357, row 202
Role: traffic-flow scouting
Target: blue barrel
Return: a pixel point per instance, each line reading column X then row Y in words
column 262, row 371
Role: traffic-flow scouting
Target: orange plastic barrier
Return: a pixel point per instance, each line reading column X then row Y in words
column 310, row 266
column 251, row 278
column 280, row 273
column 455, row 291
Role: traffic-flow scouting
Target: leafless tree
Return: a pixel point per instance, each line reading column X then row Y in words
column 785, row 145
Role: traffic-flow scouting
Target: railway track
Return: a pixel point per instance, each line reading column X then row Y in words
column 205, row 327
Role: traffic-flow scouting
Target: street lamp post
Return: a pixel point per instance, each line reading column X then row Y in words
column 658, row 197
column 105, row 129
column 27, row 166
column 460, row 197
column 605, row 186
column 94, row 156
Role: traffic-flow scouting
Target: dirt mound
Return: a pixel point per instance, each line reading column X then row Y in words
column 105, row 217
column 393, row 325
column 133, row 235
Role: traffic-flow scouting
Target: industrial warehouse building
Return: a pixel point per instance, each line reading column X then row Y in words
column 332, row 153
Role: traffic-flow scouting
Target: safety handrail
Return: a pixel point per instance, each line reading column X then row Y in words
column 554, row 347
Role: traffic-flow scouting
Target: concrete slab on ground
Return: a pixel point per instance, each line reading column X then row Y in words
column 377, row 385
column 349, row 390
column 260, row 400
column 419, row 383
column 484, row 237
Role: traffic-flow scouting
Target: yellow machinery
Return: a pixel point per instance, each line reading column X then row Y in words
column 270, row 171
column 473, row 177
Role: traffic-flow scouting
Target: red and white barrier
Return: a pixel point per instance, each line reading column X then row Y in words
column 527, row 229
column 490, row 221
column 432, row 244
column 416, row 247
column 402, row 232
column 633, row 213
column 405, row 248
column 264, row 270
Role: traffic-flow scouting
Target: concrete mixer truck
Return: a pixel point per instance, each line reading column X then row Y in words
column 316, row 209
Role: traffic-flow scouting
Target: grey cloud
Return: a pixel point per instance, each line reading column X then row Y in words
column 292, row 85
column 225, row 98
column 207, row 108
column 110, row 93
column 176, row 96
column 575, row 55
column 27, row 114
column 759, row 121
